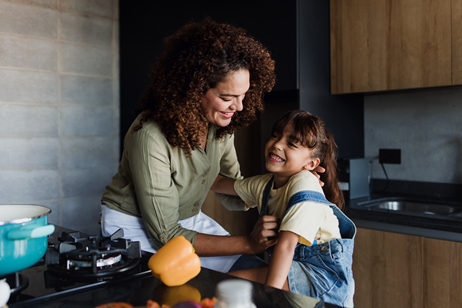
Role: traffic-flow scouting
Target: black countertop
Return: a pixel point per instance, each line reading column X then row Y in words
column 138, row 291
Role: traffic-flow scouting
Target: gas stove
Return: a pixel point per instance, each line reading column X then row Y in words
column 77, row 262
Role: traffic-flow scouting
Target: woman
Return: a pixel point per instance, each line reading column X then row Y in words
column 209, row 81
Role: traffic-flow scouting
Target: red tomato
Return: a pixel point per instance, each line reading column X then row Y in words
column 152, row 304
column 208, row 303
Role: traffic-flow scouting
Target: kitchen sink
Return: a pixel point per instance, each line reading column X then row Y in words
column 409, row 206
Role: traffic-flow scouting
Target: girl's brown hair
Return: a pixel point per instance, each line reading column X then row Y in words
column 310, row 131
column 196, row 59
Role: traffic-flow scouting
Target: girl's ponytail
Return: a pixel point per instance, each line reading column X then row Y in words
column 330, row 177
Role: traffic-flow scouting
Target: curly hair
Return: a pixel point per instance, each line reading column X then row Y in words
column 195, row 59
column 312, row 133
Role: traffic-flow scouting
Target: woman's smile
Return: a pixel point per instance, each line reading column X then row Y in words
column 227, row 115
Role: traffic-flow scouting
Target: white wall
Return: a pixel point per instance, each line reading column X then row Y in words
column 425, row 124
column 59, row 106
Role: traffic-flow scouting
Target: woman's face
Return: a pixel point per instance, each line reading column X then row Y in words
column 220, row 103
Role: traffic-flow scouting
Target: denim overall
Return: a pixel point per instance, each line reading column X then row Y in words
column 322, row 271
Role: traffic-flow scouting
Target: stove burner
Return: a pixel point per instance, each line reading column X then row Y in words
column 92, row 256
column 99, row 263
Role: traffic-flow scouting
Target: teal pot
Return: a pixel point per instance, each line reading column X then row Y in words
column 24, row 231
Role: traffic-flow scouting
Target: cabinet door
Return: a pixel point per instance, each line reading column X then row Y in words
column 387, row 268
column 456, row 41
column 389, row 44
column 443, row 273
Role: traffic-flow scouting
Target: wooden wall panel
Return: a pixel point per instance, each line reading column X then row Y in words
column 387, row 268
column 236, row 223
column 456, row 41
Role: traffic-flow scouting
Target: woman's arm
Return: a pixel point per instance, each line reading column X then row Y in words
column 211, row 245
column 282, row 259
column 224, row 185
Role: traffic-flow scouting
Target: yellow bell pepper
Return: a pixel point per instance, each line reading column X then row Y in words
column 174, row 295
column 176, row 262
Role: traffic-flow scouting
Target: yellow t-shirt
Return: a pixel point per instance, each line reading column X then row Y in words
column 312, row 221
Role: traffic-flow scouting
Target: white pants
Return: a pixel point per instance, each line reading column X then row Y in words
column 135, row 230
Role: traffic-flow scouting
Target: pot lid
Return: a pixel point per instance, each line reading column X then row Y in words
column 20, row 213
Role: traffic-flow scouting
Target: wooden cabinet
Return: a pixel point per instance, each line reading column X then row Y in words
column 442, row 269
column 387, row 268
column 388, row 45
column 456, row 41
column 398, row 270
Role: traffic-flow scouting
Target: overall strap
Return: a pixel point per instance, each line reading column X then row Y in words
column 264, row 206
column 265, row 197
column 346, row 226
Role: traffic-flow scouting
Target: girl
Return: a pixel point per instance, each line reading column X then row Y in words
column 313, row 255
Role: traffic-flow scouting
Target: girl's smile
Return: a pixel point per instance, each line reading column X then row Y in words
column 275, row 158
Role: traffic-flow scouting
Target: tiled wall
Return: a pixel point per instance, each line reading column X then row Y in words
column 425, row 124
column 59, row 106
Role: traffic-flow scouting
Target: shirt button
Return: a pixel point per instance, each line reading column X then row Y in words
column 162, row 237
column 194, row 210
column 205, row 175
column 203, row 181
column 196, row 204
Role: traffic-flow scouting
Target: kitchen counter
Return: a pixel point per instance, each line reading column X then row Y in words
column 438, row 227
column 138, row 291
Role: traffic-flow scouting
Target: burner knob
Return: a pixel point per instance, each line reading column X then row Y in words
column 66, row 247
column 51, row 256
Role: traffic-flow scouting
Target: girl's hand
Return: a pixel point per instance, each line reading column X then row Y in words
column 264, row 234
column 317, row 170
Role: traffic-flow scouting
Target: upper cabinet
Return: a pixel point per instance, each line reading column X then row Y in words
column 456, row 41
column 379, row 45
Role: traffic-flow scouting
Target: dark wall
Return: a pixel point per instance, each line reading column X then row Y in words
column 295, row 31
column 144, row 25
column 343, row 114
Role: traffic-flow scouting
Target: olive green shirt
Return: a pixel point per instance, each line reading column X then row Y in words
column 161, row 184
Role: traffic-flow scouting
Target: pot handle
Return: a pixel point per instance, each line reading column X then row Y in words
column 28, row 233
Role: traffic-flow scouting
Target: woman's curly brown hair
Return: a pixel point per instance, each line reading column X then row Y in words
column 196, row 59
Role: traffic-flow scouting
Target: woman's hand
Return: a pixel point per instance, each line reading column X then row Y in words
column 264, row 234
column 316, row 172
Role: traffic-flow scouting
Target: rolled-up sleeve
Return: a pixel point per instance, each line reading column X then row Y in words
column 157, row 196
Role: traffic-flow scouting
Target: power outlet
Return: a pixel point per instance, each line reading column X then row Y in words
column 390, row 156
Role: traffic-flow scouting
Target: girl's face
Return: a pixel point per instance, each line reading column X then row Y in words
column 286, row 157
column 220, row 103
